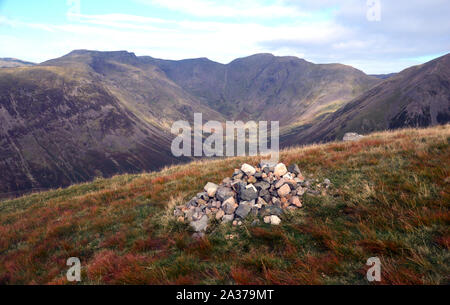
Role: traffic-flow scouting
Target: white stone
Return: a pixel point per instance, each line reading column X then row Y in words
column 280, row 169
column 211, row 189
column 248, row 169
column 352, row 136
column 275, row 220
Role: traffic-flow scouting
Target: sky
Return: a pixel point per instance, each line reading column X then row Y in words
column 375, row 36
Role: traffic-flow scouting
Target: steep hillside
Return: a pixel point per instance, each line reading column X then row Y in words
column 62, row 125
column 389, row 198
column 141, row 87
column 263, row 86
column 416, row 97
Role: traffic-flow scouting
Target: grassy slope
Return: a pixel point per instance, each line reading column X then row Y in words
column 390, row 199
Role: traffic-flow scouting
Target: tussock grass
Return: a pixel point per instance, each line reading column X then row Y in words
column 390, row 198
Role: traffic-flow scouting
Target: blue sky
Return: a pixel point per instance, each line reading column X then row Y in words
column 322, row 31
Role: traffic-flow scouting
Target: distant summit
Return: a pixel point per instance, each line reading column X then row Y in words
column 13, row 63
column 383, row 76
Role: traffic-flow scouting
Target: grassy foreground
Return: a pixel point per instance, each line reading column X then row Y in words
column 390, row 198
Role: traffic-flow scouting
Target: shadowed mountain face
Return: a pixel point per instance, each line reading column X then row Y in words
column 63, row 124
column 265, row 87
column 416, row 97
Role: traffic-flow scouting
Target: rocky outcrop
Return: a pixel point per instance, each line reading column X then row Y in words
column 352, row 136
column 264, row 191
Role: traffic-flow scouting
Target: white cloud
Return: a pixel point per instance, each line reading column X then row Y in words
column 242, row 8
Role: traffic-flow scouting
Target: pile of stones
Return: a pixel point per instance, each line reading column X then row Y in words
column 264, row 191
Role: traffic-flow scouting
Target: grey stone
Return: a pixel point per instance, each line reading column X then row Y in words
column 249, row 193
column 203, row 195
column 255, row 222
column 188, row 214
column 223, row 193
column 293, row 168
column 227, row 218
column 268, row 164
column 313, row 192
column 192, row 202
column 270, row 210
column 267, row 169
column 238, row 186
column 201, row 224
column 262, row 185
column 255, row 210
column 237, row 172
column 267, row 198
column 243, row 209
column 178, row 213
column 263, row 193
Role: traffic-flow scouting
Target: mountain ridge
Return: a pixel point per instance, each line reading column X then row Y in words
column 130, row 102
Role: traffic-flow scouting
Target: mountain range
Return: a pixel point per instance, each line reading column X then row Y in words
column 91, row 113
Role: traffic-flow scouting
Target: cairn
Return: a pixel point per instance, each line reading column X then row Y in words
column 265, row 191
